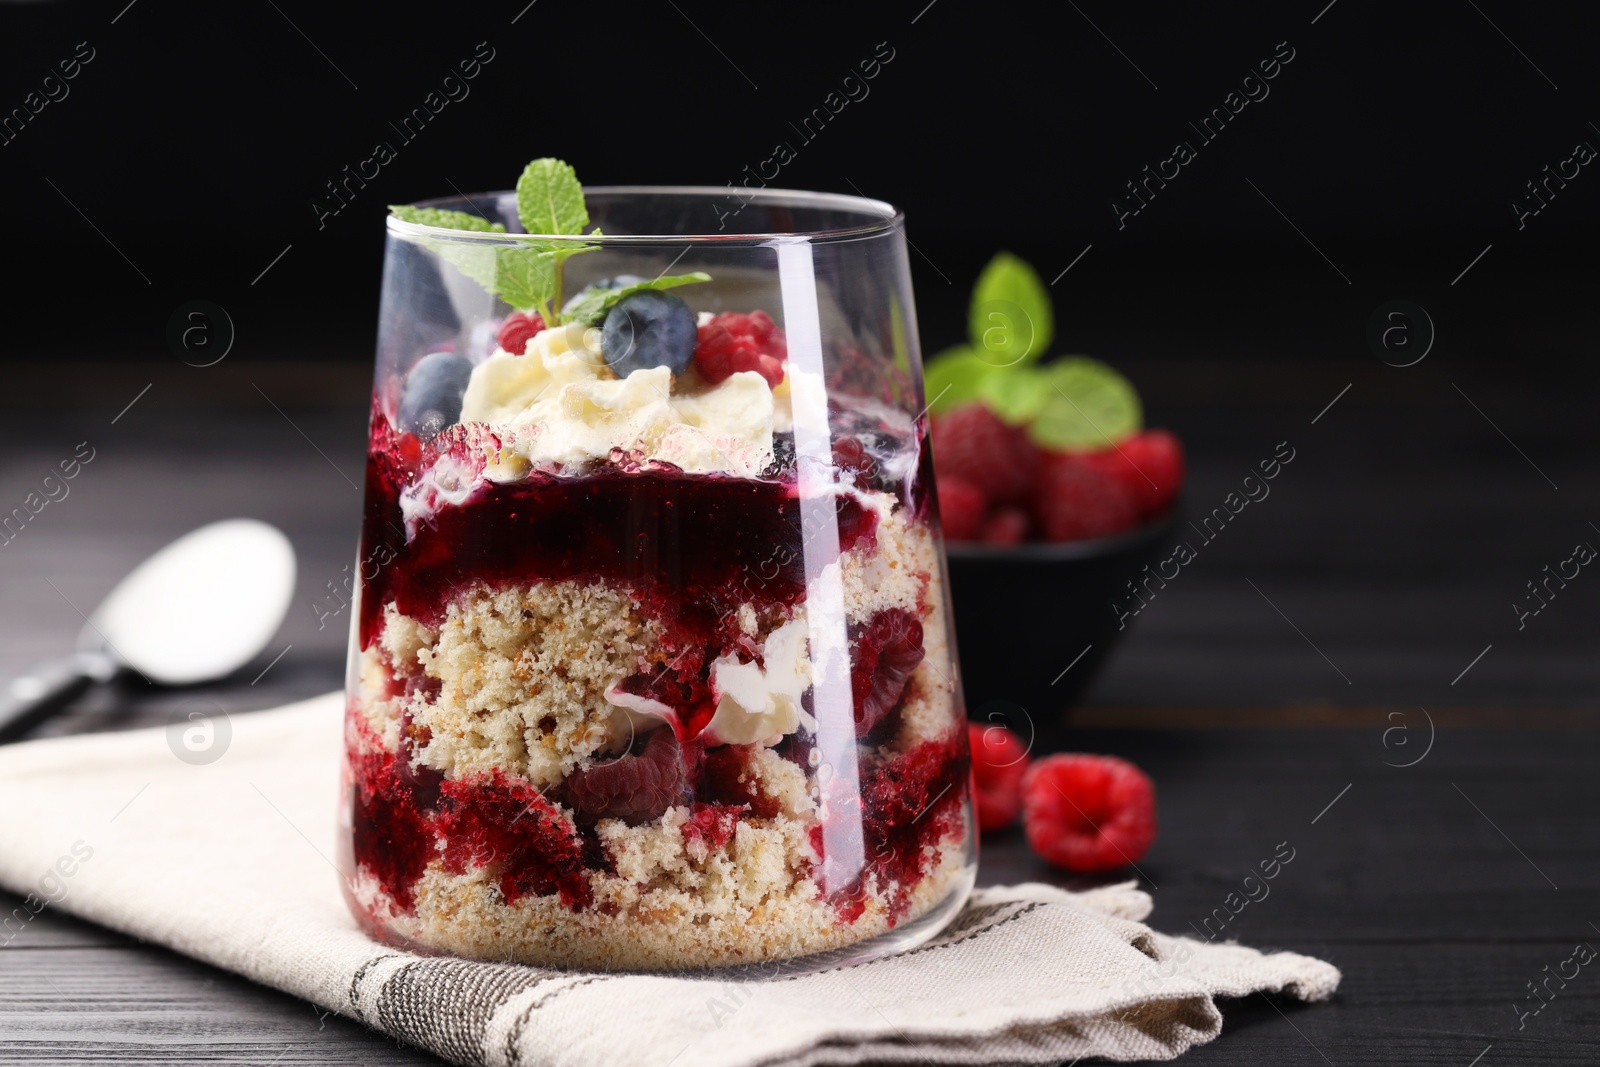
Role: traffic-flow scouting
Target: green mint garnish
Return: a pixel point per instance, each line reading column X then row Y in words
column 1010, row 319
column 528, row 275
column 525, row 278
column 1010, row 324
column 1071, row 404
column 1089, row 406
column 449, row 220
column 1017, row 394
column 591, row 307
column 953, row 378
column 550, row 203
column 550, row 199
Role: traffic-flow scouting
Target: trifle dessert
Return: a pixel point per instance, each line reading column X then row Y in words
column 651, row 665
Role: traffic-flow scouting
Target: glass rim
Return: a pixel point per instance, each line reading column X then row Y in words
column 879, row 216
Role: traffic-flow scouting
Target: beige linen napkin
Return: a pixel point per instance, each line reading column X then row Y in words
column 230, row 862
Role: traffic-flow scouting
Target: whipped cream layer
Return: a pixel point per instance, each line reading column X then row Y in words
column 559, row 405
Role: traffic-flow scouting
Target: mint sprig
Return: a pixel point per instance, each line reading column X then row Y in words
column 1070, row 404
column 528, row 274
column 549, row 203
column 1010, row 324
column 591, row 307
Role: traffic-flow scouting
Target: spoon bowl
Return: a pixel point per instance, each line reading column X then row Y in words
column 199, row 609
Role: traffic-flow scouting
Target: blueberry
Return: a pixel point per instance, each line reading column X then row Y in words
column 649, row 329
column 431, row 400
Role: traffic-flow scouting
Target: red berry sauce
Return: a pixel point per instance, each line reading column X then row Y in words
column 392, row 836
column 401, row 816
column 690, row 547
column 497, row 819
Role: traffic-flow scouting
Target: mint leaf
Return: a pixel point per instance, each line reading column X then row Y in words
column 528, row 275
column 1090, row 407
column 953, row 378
column 476, row 261
column 591, row 306
column 449, row 220
column 1010, row 318
column 550, row 199
column 1016, row 394
column 525, row 278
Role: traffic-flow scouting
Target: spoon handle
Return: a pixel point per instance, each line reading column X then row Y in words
column 44, row 689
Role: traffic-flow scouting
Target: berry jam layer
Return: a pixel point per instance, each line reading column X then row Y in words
column 670, row 538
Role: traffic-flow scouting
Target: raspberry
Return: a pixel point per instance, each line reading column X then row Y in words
column 885, row 652
column 728, row 777
column 999, row 760
column 972, row 443
column 1007, row 526
column 1075, row 499
column 1088, row 813
column 732, row 342
column 635, row 789
column 710, row 825
column 961, row 508
column 850, row 455
column 518, row 329
column 1149, row 464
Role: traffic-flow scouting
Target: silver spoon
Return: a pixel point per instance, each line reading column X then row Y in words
column 197, row 610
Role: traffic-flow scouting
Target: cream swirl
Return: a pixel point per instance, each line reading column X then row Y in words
column 559, row 405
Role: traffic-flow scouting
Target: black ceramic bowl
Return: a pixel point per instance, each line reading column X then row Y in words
column 1035, row 622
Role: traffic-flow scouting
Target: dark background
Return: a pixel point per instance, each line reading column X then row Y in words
column 190, row 150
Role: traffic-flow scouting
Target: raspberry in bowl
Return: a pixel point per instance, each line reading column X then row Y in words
column 651, row 666
column 1054, row 497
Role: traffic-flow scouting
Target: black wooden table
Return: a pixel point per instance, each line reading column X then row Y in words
column 1442, row 889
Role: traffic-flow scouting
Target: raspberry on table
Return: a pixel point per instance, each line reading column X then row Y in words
column 518, row 329
column 1149, row 465
column 961, row 508
column 973, row 444
column 999, row 760
column 733, row 342
column 1073, row 499
column 1088, row 813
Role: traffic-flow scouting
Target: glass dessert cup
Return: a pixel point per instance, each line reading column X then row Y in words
column 652, row 666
